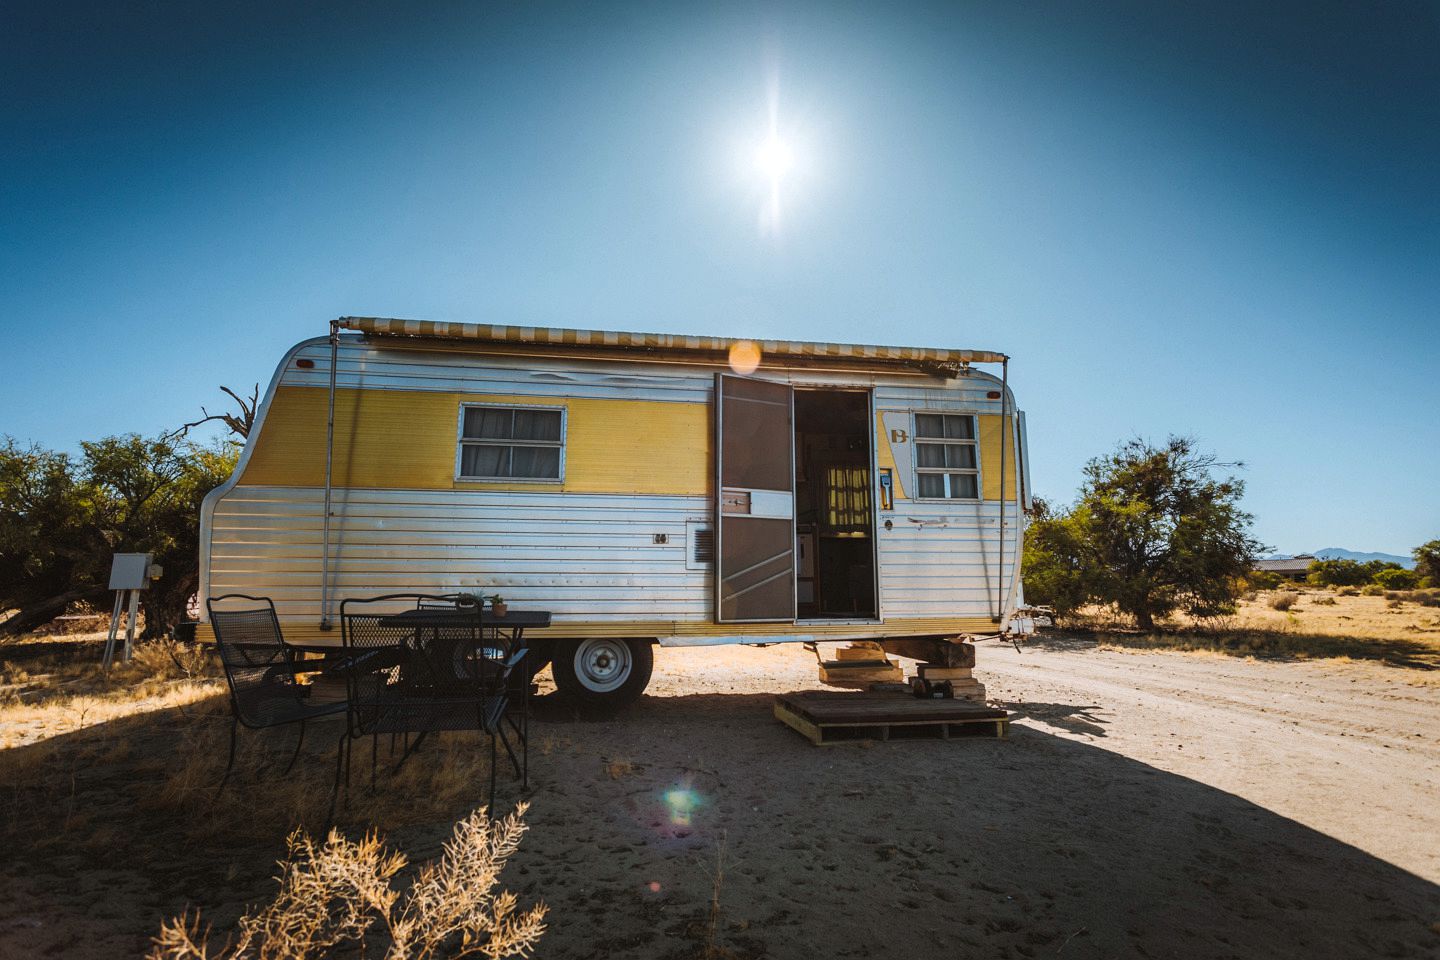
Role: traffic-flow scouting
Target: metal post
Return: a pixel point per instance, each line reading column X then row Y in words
column 329, row 458
column 130, row 626
column 1000, row 572
column 114, row 629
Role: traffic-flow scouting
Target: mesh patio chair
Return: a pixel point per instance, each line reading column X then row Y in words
column 497, row 646
column 432, row 668
column 260, row 670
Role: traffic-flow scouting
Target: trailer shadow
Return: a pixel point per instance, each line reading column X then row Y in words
column 698, row 825
column 1034, row 846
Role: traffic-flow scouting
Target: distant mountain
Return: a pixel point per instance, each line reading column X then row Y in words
column 1340, row 553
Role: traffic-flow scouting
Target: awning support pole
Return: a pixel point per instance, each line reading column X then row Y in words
column 329, row 459
column 1000, row 600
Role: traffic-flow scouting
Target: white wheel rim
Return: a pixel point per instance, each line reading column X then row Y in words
column 603, row 666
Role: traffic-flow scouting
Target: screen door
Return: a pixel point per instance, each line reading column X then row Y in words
column 755, row 509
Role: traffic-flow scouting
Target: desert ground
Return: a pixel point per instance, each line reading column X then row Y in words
column 1148, row 802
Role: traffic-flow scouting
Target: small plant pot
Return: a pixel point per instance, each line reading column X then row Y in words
column 499, row 609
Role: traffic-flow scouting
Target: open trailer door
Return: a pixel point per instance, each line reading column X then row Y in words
column 755, row 501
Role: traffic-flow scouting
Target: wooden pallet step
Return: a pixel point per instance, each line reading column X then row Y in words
column 826, row 719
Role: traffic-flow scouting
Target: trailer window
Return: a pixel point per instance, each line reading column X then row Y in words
column 511, row 443
column 947, row 462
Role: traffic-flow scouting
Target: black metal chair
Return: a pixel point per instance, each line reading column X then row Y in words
column 422, row 664
column 260, row 669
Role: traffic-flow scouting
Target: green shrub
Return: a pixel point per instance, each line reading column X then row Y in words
column 1427, row 562
column 1264, row 579
column 1372, row 590
column 1397, row 579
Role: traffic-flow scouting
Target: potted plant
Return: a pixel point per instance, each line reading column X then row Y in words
column 498, row 606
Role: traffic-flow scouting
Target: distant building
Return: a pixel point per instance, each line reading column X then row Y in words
column 1291, row 568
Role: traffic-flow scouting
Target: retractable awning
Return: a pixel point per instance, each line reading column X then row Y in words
column 602, row 339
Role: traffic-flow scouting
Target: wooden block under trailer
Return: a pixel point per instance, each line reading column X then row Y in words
column 930, row 671
column 861, row 671
column 826, row 718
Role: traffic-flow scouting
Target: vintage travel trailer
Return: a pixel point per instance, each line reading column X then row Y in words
column 643, row 488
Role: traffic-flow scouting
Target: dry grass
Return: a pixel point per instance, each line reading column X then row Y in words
column 1317, row 623
column 51, row 686
column 619, row 769
column 713, row 950
column 342, row 893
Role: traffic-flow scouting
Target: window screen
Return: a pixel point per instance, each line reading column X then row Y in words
column 947, row 458
column 511, row 443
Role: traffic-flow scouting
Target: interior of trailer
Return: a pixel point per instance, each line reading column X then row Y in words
column 834, row 509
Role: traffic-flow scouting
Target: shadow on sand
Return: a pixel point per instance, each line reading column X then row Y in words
column 1036, row 846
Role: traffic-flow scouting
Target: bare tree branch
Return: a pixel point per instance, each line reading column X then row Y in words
column 239, row 424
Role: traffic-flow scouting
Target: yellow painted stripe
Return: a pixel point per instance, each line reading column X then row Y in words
column 396, row 439
column 991, row 431
column 392, row 439
column 885, row 457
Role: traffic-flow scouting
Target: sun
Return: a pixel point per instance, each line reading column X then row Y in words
column 774, row 157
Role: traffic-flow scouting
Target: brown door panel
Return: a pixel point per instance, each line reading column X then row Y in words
column 755, row 490
column 757, row 563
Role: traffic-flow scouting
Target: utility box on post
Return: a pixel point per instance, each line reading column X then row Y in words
column 129, row 574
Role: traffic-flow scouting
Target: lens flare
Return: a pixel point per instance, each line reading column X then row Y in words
column 744, row 357
column 681, row 804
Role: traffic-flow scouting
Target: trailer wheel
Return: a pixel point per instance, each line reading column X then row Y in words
column 602, row 674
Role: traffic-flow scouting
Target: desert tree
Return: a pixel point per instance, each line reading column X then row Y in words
column 61, row 518
column 48, row 550
column 1154, row 530
column 1055, row 560
column 1427, row 562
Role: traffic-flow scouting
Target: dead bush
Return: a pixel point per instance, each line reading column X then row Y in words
column 1349, row 591
column 1284, row 600
column 1426, row 598
column 342, row 892
column 167, row 659
column 1372, row 590
column 1325, row 601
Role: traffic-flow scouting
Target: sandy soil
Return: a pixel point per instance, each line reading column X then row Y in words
column 1146, row 804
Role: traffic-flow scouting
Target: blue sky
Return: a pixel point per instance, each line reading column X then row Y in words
column 1217, row 219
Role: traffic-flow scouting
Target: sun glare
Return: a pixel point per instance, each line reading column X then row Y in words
column 774, row 157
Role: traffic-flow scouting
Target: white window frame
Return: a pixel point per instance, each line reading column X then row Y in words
column 916, row 440
column 461, row 441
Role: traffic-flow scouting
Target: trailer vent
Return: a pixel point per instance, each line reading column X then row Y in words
column 702, row 546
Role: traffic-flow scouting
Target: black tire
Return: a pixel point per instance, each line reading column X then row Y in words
column 602, row 675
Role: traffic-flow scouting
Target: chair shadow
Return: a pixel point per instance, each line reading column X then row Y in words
column 1038, row 845
column 1070, row 717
